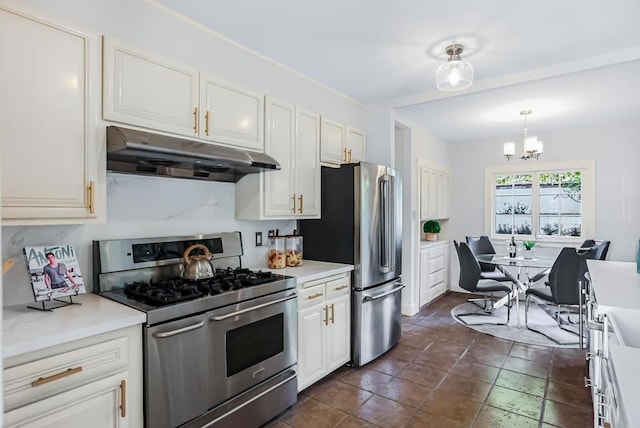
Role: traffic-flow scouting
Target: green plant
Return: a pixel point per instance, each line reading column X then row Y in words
column 431, row 226
column 528, row 244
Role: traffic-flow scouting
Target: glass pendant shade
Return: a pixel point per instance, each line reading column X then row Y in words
column 530, row 144
column 454, row 75
column 509, row 149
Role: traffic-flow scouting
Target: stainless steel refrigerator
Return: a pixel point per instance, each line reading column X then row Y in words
column 361, row 224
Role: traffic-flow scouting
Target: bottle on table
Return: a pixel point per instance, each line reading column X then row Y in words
column 512, row 248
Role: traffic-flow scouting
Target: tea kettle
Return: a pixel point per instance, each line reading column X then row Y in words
column 198, row 266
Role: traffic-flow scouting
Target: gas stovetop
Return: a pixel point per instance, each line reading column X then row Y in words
column 139, row 273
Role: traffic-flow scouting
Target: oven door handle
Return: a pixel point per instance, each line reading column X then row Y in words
column 368, row 298
column 164, row 334
column 252, row 308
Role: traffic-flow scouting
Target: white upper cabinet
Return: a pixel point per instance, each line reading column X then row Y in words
column 147, row 91
column 292, row 136
column 49, row 91
column 230, row 114
column 340, row 143
column 355, row 144
column 435, row 190
column 144, row 90
column 333, row 148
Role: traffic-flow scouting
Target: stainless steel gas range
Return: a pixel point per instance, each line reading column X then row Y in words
column 219, row 351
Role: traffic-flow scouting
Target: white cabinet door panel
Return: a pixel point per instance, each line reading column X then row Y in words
column 332, row 148
column 355, row 142
column 147, row 91
column 307, row 166
column 230, row 114
column 312, row 362
column 339, row 335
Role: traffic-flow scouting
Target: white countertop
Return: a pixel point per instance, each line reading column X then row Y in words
column 426, row 244
column 615, row 284
column 312, row 270
column 624, row 361
column 27, row 330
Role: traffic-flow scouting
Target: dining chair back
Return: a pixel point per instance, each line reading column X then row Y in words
column 482, row 245
column 563, row 278
column 469, row 268
column 594, row 249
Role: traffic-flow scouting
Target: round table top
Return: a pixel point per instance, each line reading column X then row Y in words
column 505, row 260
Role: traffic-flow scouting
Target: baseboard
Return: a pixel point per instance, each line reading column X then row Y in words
column 410, row 310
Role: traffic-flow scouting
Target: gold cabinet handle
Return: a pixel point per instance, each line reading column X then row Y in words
column 342, row 287
column 195, row 119
column 345, row 153
column 333, row 314
column 300, row 201
column 92, row 197
column 314, row 296
column 123, row 398
column 349, row 156
column 293, row 198
column 206, row 123
column 326, row 315
column 68, row 372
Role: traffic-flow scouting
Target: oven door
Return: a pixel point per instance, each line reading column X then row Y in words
column 175, row 377
column 251, row 342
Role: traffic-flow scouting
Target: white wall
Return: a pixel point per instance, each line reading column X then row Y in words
column 616, row 151
column 417, row 143
column 153, row 207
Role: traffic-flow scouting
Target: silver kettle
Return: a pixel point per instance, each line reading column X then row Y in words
column 197, row 266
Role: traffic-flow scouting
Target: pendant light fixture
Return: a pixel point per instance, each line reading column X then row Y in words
column 455, row 74
column 532, row 147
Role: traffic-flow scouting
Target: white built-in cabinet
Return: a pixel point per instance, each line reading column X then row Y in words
column 341, row 144
column 292, row 136
column 434, row 268
column 144, row 90
column 435, row 191
column 324, row 327
column 93, row 382
column 49, row 93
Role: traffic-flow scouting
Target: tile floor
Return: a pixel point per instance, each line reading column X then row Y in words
column 443, row 374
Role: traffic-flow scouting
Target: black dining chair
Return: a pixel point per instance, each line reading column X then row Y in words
column 563, row 290
column 482, row 245
column 471, row 281
column 592, row 249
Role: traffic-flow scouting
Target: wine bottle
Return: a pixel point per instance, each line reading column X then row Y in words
column 512, row 248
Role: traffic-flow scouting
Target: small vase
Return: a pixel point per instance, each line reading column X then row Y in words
column 528, row 254
column 431, row 236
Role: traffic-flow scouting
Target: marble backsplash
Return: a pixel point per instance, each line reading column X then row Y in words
column 137, row 207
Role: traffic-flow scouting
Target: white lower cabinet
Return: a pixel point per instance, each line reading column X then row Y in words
column 92, row 382
column 434, row 265
column 324, row 327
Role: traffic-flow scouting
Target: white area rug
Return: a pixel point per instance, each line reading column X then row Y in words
column 541, row 318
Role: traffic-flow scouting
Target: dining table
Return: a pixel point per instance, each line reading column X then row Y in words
column 522, row 279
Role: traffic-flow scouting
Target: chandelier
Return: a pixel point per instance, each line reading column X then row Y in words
column 533, row 147
column 455, row 74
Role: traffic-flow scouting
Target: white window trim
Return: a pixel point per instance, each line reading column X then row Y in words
column 588, row 170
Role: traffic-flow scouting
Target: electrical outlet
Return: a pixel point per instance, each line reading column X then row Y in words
column 258, row 239
column 271, row 233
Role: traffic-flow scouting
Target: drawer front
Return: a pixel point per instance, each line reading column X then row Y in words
column 436, row 251
column 436, row 291
column 436, row 278
column 311, row 296
column 36, row 380
column 338, row 287
column 436, row 263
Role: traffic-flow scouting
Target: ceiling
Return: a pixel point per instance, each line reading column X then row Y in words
column 573, row 62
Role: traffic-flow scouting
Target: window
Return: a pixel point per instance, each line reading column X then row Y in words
column 550, row 201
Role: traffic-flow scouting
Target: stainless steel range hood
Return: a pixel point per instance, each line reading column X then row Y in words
column 136, row 152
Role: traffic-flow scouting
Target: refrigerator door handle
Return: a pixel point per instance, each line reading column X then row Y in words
column 386, row 230
column 368, row 297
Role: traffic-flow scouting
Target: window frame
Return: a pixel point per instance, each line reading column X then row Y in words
column 587, row 169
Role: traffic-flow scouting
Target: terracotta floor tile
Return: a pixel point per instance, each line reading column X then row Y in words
column 447, row 349
column 522, row 382
column 314, row 414
column 474, row 370
column 276, row 424
column 403, row 353
column 426, row 420
column 530, row 353
column 531, row 368
column 422, row 375
column 340, row 395
column 353, row 422
column 491, row 417
column 515, row 402
column 443, row 404
column 404, row 392
column 494, row 348
column 388, row 365
column 437, row 361
column 366, row 379
column 384, row 413
column 563, row 415
column 486, row 357
column 415, row 341
column 462, row 388
column 578, row 396
column 570, row 375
